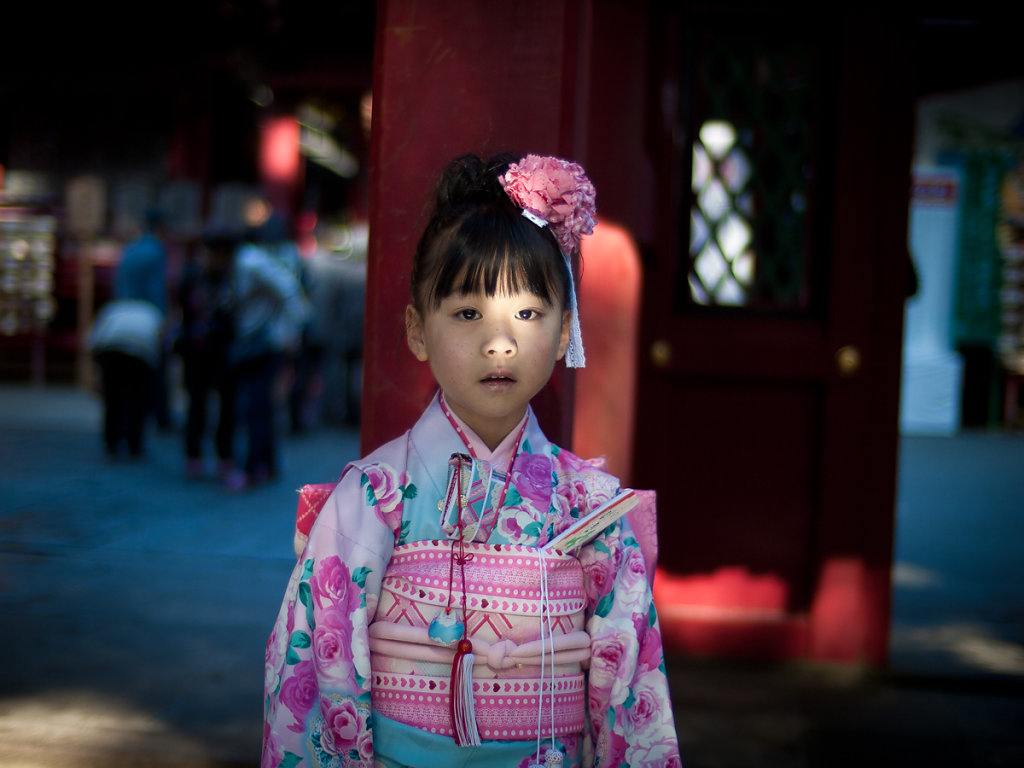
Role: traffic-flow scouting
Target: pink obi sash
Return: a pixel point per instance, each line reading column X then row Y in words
column 411, row 673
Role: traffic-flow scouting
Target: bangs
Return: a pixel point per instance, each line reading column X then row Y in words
column 496, row 254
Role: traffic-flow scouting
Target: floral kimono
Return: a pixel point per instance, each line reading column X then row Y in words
column 353, row 677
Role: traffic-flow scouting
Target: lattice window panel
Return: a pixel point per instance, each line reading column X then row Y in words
column 753, row 128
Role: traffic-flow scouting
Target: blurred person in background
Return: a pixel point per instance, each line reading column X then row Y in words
column 142, row 275
column 125, row 341
column 276, row 237
column 270, row 314
column 205, row 296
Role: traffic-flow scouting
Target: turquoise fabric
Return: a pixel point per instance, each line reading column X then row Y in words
column 408, row 747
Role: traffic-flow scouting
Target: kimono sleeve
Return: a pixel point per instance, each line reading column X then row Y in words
column 629, row 707
column 317, row 676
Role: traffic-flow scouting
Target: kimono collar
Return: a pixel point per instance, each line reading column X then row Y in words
column 433, row 439
column 505, row 452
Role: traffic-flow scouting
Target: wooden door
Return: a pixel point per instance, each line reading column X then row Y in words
column 767, row 410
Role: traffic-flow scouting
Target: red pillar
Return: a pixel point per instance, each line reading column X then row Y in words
column 449, row 78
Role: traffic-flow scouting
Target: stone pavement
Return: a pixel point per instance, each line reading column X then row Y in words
column 134, row 608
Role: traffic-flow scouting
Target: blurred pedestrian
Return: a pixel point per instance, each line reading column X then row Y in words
column 299, row 365
column 142, row 274
column 206, row 297
column 125, row 342
column 271, row 312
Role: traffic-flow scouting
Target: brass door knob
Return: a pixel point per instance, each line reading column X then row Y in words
column 848, row 361
column 661, row 353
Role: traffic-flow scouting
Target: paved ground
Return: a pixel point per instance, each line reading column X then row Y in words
column 134, row 607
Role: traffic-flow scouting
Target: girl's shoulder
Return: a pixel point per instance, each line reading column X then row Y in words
column 379, row 469
column 393, row 453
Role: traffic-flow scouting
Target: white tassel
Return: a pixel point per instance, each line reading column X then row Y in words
column 463, row 714
column 575, row 357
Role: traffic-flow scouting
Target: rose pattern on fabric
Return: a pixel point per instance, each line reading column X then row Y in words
column 321, row 632
column 520, row 525
column 299, row 692
column 332, row 586
column 321, row 642
column 652, row 656
column 580, row 488
column 273, row 658
column 340, row 735
column 569, row 496
column 633, row 583
column 386, row 491
column 532, row 476
column 646, row 702
column 660, row 754
column 611, row 745
column 332, row 648
column 627, row 707
column 610, row 663
column 272, row 753
column 340, row 629
column 600, row 574
column 344, row 723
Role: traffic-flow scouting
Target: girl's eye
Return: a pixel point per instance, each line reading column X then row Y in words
column 528, row 314
column 467, row 314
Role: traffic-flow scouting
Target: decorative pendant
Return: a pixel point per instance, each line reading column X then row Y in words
column 455, row 508
column 553, row 759
column 446, row 629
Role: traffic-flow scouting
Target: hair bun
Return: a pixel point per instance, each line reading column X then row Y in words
column 468, row 179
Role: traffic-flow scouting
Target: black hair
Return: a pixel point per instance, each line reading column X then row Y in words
column 478, row 240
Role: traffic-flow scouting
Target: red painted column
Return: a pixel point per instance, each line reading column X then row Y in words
column 450, row 78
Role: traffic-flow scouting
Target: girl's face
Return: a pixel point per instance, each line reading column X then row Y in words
column 489, row 355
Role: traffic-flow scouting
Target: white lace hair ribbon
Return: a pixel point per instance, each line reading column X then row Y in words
column 575, row 357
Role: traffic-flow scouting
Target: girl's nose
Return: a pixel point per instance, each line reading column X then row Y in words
column 500, row 343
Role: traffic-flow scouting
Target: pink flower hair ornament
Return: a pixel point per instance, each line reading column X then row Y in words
column 553, row 192
column 556, row 193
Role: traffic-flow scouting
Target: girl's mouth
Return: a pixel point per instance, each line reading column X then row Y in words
column 498, row 380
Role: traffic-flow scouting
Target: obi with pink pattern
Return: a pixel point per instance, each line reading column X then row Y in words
column 504, row 601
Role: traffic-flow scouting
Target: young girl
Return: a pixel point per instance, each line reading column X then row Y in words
column 425, row 623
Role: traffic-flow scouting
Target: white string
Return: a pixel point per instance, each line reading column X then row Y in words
column 543, row 602
column 551, row 638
